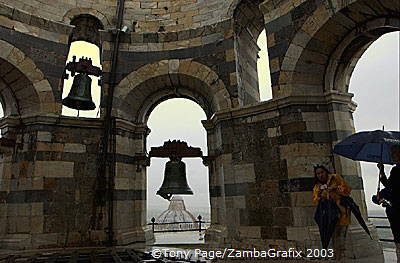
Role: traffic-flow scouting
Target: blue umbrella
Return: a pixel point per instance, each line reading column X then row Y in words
column 372, row 146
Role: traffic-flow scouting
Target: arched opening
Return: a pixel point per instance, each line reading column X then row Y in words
column 178, row 119
column 85, row 43
column 86, row 29
column 263, row 68
column 249, row 41
column 136, row 95
column 375, row 84
column 84, row 49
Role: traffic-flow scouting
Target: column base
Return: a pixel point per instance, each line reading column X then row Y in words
column 359, row 246
column 17, row 241
column 141, row 234
column 215, row 235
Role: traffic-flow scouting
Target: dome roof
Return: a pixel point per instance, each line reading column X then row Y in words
column 176, row 212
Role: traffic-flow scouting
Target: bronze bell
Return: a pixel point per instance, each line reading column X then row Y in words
column 80, row 95
column 174, row 179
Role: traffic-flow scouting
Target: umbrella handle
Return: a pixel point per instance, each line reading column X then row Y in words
column 379, row 183
column 379, row 175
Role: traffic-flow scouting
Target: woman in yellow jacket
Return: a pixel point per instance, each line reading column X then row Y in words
column 333, row 187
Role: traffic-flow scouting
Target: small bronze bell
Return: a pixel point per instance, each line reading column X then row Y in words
column 174, row 179
column 80, row 96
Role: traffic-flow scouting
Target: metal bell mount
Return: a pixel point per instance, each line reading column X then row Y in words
column 175, row 181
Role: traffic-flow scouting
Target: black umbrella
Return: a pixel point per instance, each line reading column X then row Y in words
column 348, row 202
column 326, row 216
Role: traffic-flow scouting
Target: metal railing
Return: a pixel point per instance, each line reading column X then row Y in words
column 382, row 227
column 197, row 225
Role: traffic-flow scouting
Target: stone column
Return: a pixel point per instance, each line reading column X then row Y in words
column 217, row 232
column 246, row 177
column 263, row 174
column 341, row 125
column 130, row 205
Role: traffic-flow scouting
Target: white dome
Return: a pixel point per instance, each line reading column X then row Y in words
column 176, row 197
column 176, row 212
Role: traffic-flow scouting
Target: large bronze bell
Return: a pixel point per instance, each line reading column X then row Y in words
column 80, row 95
column 174, row 179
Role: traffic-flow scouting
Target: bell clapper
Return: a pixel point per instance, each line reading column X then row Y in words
column 166, row 196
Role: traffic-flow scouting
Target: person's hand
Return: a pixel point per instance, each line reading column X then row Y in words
column 323, row 187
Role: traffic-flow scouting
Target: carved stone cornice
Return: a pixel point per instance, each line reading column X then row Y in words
column 15, row 122
column 272, row 106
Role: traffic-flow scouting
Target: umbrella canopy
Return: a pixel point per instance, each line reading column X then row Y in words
column 348, row 202
column 326, row 216
column 372, row 146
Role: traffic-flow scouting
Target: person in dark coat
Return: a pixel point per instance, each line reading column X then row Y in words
column 393, row 185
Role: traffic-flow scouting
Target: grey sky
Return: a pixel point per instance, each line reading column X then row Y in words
column 375, row 84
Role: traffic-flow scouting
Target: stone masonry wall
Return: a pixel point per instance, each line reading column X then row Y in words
column 204, row 50
column 262, row 178
column 48, row 185
column 303, row 37
column 140, row 15
column 40, row 55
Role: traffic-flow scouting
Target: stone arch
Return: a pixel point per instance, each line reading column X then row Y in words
column 343, row 61
column 330, row 31
column 248, row 23
column 7, row 97
column 75, row 12
column 86, row 28
column 27, row 86
column 247, row 14
column 142, row 90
